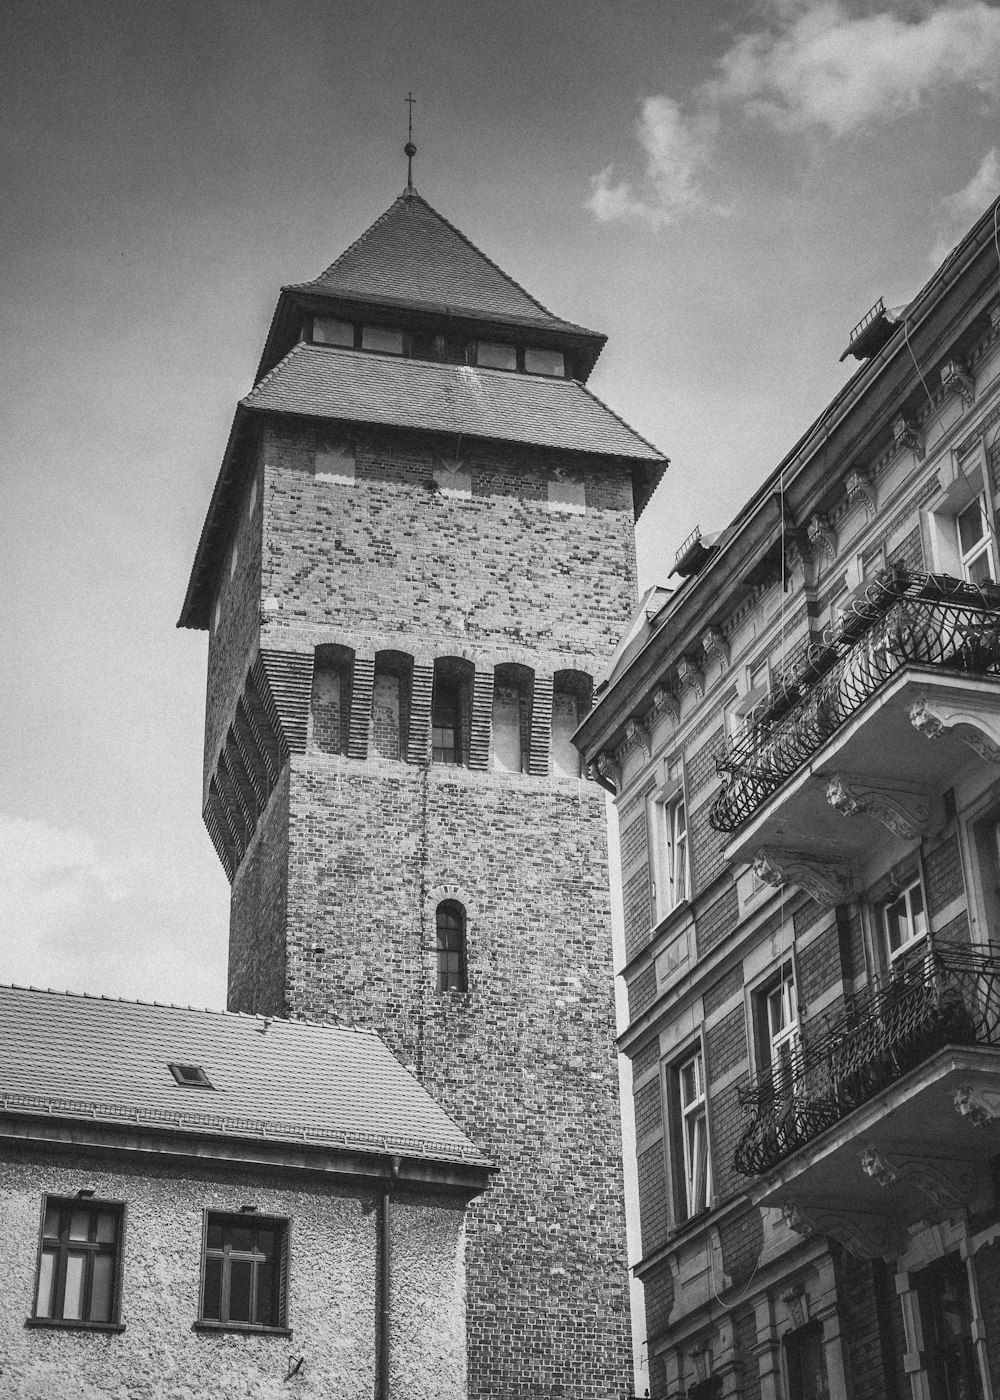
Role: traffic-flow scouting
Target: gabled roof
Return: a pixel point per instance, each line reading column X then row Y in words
column 294, row 1081
column 412, row 255
column 360, row 387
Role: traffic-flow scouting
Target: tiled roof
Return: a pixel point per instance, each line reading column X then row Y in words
column 412, row 254
column 367, row 388
column 106, row 1060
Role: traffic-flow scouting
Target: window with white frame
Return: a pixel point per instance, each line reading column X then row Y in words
column 975, row 548
column 693, row 1169
column 777, row 1020
column 903, row 919
column 671, row 864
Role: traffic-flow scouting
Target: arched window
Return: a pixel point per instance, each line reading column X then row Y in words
column 571, row 700
column 452, row 974
column 330, row 708
column 390, row 704
column 512, row 689
column 452, row 710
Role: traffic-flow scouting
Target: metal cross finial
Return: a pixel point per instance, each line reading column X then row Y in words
column 410, row 149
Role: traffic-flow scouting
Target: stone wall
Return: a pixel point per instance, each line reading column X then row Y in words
column 332, row 1289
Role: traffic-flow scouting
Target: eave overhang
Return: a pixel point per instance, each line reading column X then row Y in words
column 61, row 1132
column 851, row 428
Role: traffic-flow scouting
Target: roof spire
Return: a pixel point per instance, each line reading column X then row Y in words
column 410, row 150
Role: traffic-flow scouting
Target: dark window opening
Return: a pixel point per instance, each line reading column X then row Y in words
column 946, row 1320
column 452, row 975
column 330, row 703
column 806, row 1364
column 191, row 1076
column 451, row 711
column 78, row 1266
column 244, row 1271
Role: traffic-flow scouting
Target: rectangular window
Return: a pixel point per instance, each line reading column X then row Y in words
column 903, row 919
column 777, row 1023
column 244, row 1270
column 537, row 361
column 670, row 834
column 942, row 1290
column 386, row 339
column 974, row 547
column 805, row 1363
column 495, row 354
column 694, row 1193
column 327, row 330
column 78, row 1265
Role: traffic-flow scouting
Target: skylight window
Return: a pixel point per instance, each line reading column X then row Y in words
column 190, row 1076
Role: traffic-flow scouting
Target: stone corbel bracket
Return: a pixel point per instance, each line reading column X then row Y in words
column 906, row 434
column 866, row 1236
column 956, row 379
column 859, row 487
column 906, row 814
column 609, row 772
column 714, row 645
column 664, row 704
column 948, row 1186
column 935, row 718
column 796, row 1301
column 637, row 737
column 822, row 535
column 828, row 882
column 979, row 1105
column 690, row 676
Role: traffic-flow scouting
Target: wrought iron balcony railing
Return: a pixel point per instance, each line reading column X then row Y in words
column 949, row 996
column 902, row 619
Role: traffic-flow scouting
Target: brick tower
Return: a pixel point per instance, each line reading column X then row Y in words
column 418, row 555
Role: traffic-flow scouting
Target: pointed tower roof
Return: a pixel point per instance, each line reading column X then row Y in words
column 413, row 257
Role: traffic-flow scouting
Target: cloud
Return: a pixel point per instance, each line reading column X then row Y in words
column 811, row 67
column 677, row 150
column 819, row 67
column 961, row 208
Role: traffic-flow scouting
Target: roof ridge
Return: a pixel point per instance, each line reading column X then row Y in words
column 617, row 416
column 178, row 1006
column 266, row 379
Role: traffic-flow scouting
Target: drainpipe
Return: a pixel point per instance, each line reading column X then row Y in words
column 385, row 1281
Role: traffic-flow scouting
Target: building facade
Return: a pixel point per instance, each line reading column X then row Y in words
column 803, row 742
column 418, row 556
column 195, row 1203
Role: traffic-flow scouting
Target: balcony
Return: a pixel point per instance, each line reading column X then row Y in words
column 901, row 1091
column 929, row 644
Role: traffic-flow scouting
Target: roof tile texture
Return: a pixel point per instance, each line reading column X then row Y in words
column 412, row 254
column 293, row 1079
column 323, row 382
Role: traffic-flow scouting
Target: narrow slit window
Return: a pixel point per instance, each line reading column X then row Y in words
column 451, row 949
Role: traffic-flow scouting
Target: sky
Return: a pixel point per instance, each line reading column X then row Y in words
column 724, row 188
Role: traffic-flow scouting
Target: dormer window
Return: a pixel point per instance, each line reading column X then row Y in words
column 496, row 354
column 388, row 340
column 551, row 362
column 327, row 330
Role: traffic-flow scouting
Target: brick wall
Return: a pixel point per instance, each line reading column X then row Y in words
column 867, row 1307
column 717, row 920
column 525, row 1059
column 726, row 1043
column 641, row 991
column 648, row 1108
column 706, row 849
column 699, row 768
column 726, row 1124
column 636, row 912
column 742, row 1241
column 943, row 873
column 745, row 1328
column 721, row 990
column 257, row 916
column 653, row 1214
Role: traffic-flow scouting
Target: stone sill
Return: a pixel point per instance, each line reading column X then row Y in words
column 248, row 1328
column 74, row 1324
